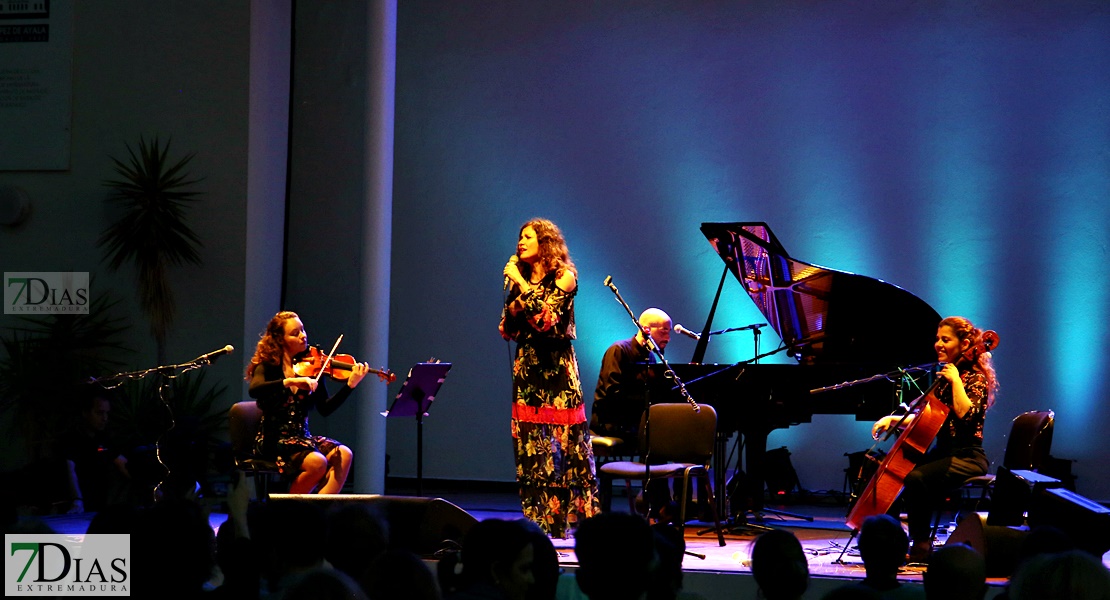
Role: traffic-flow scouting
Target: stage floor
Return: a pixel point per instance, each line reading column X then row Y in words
column 724, row 572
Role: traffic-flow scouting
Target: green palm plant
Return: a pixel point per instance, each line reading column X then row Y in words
column 152, row 232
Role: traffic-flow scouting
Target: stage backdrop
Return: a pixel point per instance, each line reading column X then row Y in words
column 958, row 150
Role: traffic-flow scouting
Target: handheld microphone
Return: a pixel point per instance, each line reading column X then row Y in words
column 512, row 261
column 686, row 332
column 207, row 358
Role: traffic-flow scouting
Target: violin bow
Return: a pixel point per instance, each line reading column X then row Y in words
column 327, row 361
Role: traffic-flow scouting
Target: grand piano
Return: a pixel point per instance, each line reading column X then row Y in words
column 837, row 326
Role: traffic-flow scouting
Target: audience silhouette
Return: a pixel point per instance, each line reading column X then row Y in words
column 616, row 556
column 398, row 574
column 496, row 562
column 779, row 565
column 293, row 550
column 882, row 546
column 1068, row 575
column 956, row 572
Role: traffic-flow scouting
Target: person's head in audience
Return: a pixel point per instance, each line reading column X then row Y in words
column 882, row 546
column 498, row 557
column 399, row 573
column 1069, row 575
column 1043, row 539
column 357, row 534
column 667, row 577
column 290, row 536
column 545, row 566
column 779, row 565
column 324, row 584
column 956, row 572
column 616, row 555
column 173, row 549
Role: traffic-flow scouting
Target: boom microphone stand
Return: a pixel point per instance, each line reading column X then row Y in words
column 165, row 373
column 654, row 348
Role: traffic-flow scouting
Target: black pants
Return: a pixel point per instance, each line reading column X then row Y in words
column 928, row 483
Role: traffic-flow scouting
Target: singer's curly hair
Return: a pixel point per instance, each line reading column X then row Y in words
column 271, row 343
column 554, row 254
column 965, row 330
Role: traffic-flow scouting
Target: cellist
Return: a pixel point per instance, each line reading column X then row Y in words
column 958, row 454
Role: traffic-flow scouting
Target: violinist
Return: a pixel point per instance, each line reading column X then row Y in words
column 286, row 397
column 968, row 390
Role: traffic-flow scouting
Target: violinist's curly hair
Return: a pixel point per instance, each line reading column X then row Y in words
column 554, row 254
column 271, row 344
column 965, row 330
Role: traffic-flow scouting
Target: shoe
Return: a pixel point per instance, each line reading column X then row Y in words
column 919, row 552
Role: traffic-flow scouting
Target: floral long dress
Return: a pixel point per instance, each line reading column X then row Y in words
column 554, row 459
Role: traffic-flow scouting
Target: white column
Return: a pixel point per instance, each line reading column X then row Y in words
column 271, row 23
column 377, row 238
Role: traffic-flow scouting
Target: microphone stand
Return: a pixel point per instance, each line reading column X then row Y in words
column 165, row 373
column 669, row 372
column 654, row 348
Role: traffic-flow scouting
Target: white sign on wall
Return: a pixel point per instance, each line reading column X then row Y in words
column 36, row 81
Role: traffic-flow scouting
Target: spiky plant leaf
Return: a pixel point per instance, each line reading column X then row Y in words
column 152, row 233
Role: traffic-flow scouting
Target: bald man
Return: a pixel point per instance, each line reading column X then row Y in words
column 617, row 410
column 619, row 403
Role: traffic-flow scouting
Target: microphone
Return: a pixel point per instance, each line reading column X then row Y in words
column 680, row 329
column 207, row 358
column 512, row 261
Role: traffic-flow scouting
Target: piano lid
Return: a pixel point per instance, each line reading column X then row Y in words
column 824, row 315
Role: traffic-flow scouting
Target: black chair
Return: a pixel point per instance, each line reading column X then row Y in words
column 680, row 443
column 244, row 419
column 1027, row 448
column 607, row 448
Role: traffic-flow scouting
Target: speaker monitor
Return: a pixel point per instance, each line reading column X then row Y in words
column 780, row 476
column 420, row 525
column 1013, row 494
column 999, row 545
column 1085, row 521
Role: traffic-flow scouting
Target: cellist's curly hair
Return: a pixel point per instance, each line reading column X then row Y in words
column 553, row 251
column 271, row 343
column 965, row 330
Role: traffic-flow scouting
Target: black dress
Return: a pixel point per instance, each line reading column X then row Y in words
column 283, row 435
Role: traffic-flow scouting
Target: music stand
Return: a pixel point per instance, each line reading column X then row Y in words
column 415, row 398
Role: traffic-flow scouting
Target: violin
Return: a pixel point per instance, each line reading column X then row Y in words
column 313, row 362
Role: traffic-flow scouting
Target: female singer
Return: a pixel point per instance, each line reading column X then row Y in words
column 958, row 454
column 554, row 460
column 286, row 399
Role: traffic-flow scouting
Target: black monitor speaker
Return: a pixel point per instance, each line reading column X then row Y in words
column 1013, row 493
column 420, row 525
column 1085, row 521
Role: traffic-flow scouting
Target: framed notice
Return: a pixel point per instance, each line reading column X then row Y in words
column 36, row 81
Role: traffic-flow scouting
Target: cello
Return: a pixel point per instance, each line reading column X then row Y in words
column 914, row 441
